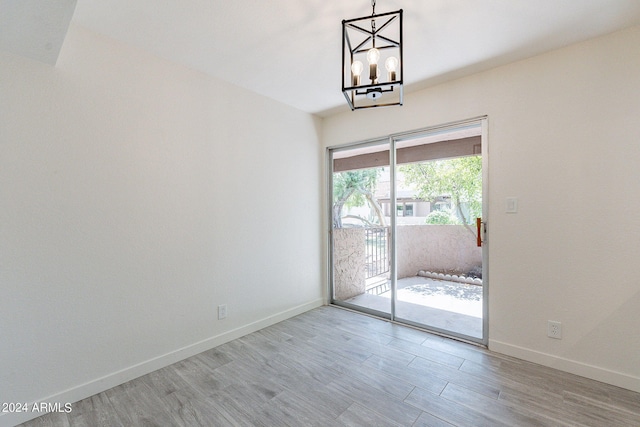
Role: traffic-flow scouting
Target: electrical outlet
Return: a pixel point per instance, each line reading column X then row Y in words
column 554, row 329
column 222, row 311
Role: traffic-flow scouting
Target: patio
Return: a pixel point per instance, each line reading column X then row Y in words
column 441, row 304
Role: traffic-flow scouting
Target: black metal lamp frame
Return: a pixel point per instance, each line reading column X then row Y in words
column 356, row 93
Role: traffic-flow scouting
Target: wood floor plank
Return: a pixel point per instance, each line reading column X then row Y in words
column 303, row 384
column 275, row 335
column 408, row 374
column 342, row 348
column 428, row 420
column 137, row 405
column 428, row 353
column 366, row 322
column 378, row 347
column 378, row 379
column 324, row 400
column 294, row 329
column 239, row 349
column 318, row 353
column 214, row 358
column 199, row 376
column 254, row 379
column 607, row 396
column 449, row 411
column 410, row 334
column 437, row 370
column 375, row 326
column 505, row 376
column 166, row 380
column 96, row 411
column 470, row 352
column 191, row 409
column 514, row 372
column 357, row 415
column 305, row 369
column 55, row 419
column 550, row 405
column 301, row 412
column 242, row 410
column 493, row 408
column 595, row 413
column 331, row 366
column 376, row 400
column 361, row 327
column 394, row 355
column 364, row 333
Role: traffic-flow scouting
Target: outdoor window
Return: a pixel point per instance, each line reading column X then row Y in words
column 408, row 209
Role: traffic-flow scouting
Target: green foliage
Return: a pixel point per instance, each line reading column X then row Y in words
column 441, row 218
column 354, row 189
column 350, row 185
column 459, row 178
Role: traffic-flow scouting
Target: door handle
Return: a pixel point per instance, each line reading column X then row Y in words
column 479, row 234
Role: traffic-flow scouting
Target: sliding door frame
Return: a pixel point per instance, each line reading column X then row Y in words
column 391, row 140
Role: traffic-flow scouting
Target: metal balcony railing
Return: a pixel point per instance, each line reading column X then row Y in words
column 377, row 251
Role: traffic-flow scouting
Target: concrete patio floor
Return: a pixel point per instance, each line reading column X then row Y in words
column 441, row 304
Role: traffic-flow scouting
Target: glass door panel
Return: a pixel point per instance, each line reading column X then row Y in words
column 439, row 263
column 360, row 232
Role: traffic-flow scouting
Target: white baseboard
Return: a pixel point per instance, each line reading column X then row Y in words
column 618, row 379
column 116, row 378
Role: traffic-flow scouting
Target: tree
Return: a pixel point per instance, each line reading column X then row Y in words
column 354, row 189
column 459, row 178
column 441, row 218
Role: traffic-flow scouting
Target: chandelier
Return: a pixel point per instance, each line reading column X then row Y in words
column 372, row 40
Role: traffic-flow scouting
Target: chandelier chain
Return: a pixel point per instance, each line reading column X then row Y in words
column 373, row 21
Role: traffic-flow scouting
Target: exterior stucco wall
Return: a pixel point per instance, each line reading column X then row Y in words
column 348, row 262
column 439, row 248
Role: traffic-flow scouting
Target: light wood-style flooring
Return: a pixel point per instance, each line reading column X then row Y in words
column 333, row 367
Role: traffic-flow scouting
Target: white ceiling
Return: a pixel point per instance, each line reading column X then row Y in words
column 290, row 50
column 35, row 28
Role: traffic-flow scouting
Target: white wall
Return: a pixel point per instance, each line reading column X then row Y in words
column 124, row 186
column 564, row 137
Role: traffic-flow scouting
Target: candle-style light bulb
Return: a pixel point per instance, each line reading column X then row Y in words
column 356, row 70
column 391, row 64
column 373, row 55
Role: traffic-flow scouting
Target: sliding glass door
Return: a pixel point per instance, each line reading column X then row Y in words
column 438, row 201
column 407, row 228
column 360, row 228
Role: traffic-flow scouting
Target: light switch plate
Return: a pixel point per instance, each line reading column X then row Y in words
column 512, row 205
